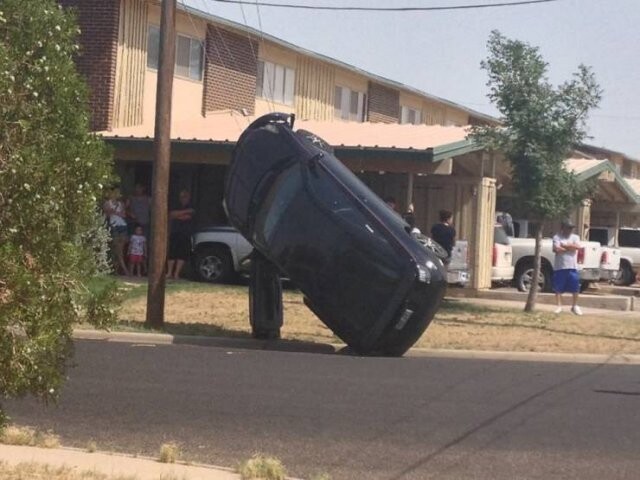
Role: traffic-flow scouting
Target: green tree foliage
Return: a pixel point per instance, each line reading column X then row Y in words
column 540, row 125
column 52, row 171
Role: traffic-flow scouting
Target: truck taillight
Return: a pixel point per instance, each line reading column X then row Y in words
column 605, row 257
column 581, row 255
column 494, row 257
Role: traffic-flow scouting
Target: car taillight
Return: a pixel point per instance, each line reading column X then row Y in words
column 604, row 258
column 581, row 255
column 494, row 258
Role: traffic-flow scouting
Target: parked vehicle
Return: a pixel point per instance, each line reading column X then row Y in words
column 589, row 257
column 360, row 270
column 502, row 268
column 219, row 253
column 458, row 268
column 629, row 246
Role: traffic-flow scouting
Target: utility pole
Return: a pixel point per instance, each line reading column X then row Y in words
column 161, row 166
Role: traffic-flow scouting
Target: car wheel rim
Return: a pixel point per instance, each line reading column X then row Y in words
column 527, row 279
column 211, row 267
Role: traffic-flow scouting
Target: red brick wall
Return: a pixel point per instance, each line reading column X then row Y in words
column 98, row 21
column 384, row 104
column 230, row 71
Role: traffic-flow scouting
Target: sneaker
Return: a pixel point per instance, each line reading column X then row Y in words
column 558, row 310
column 576, row 310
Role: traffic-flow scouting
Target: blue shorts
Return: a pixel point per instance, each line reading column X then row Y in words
column 566, row 281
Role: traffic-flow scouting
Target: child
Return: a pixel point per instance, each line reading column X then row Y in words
column 137, row 251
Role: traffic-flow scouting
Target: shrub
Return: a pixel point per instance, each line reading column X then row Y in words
column 169, row 453
column 52, row 172
column 263, row 468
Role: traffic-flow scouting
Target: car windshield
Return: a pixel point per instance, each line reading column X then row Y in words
column 328, row 247
column 629, row 238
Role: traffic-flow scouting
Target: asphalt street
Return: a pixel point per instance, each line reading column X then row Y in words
column 355, row 418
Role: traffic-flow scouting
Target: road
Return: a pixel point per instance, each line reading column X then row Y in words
column 355, row 418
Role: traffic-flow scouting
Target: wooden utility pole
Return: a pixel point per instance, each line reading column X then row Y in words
column 161, row 165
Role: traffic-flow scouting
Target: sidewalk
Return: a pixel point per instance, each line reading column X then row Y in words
column 115, row 465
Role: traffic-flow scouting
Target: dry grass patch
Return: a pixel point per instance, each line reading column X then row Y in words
column 27, row 436
column 169, row 453
column 36, row 471
column 262, row 467
column 91, row 446
column 223, row 310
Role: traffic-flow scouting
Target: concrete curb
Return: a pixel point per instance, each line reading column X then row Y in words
column 602, row 302
column 287, row 346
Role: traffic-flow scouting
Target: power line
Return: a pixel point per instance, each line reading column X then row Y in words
column 388, row 9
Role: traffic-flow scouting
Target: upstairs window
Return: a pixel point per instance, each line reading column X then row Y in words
column 411, row 115
column 275, row 83
column 349, row 104
column 189, row 54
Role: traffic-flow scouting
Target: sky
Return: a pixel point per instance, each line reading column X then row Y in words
column 440, row 52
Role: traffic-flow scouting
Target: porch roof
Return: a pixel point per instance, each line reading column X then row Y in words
column 420, row 142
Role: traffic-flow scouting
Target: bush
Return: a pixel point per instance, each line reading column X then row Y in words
column 263, row 468
column 52, row 172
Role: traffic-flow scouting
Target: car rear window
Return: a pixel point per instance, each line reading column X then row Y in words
column 500, row 235
column 629, row 238
column 599, row 235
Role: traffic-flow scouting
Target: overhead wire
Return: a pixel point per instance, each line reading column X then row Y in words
column 388, row 9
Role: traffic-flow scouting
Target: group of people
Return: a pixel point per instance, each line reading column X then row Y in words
column 129, row 225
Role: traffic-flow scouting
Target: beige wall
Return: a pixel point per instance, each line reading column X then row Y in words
column 456, row 117
column 187, row 93
column 344, row 78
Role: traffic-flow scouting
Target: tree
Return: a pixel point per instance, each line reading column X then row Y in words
column 52, row 171
column 540, row 124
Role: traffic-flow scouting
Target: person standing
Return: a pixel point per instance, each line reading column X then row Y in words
column 139, row 208
column 566, row 278
column 137, row 251
column 181, row 217
column 114, row 210
column 444, row 233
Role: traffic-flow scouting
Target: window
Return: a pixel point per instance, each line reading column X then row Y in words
column 349, row 104
column 275, row 82
column 189, row 54
column 411, row 115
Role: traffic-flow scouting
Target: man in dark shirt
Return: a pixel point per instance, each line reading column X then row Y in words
column 444, row 233
column 181, row 217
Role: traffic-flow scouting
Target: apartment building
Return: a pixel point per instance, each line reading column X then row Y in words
column 401, row 141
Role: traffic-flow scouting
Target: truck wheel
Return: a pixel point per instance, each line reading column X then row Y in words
column 625, row 276
column 524, row 277
column 213, row 265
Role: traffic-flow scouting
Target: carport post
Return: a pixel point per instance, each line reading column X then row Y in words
column 410, row 179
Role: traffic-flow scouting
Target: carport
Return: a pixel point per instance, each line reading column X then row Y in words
column 433, row 167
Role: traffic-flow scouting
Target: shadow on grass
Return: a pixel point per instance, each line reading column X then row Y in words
column 453, row 321
column 203, row 334
column 453, row 305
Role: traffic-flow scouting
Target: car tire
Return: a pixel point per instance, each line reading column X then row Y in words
column 626, row 276
column 524, row 275
column 214, row 265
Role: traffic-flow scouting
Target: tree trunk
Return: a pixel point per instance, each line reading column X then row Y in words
column 530, row 306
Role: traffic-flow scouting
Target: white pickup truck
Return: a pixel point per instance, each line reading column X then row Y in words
column 219, row 253
column 629, row 247
column 589, row 259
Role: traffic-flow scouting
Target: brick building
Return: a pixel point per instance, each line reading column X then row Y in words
column 227, row 73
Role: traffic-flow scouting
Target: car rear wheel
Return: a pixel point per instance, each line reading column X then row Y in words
column 214, row 265
column 625, row 276
column 524, row 278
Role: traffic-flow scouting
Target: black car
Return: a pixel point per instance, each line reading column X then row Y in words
column 353, row 258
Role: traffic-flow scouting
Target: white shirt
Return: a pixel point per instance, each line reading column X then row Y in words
column 116, row 219
column 569, row 259
column 136, row 245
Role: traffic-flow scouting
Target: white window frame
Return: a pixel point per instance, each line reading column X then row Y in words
column 343, row 107
column 276, row 83
column 410, row 115
column 154, row 65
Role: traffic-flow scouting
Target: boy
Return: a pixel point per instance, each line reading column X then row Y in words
column 137, row 251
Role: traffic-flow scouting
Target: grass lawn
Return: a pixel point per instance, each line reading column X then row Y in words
column 197, row 308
